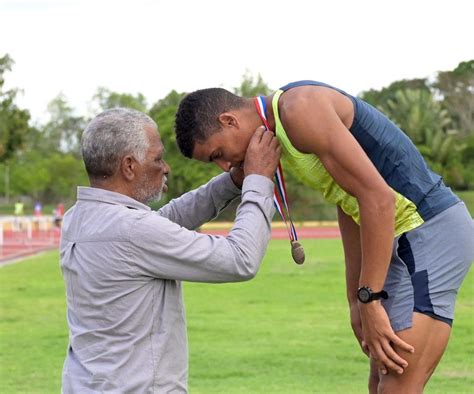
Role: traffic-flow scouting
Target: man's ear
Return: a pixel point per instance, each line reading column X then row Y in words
column 228, row 119
column 128, row 167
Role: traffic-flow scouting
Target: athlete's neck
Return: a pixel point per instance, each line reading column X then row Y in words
column 269, row 113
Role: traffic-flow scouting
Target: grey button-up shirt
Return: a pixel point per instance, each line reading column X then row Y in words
column 122, row 265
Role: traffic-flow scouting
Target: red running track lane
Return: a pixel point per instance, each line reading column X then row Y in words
column 303, row 232
column 16, row 244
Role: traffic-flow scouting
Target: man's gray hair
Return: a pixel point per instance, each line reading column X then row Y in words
column 110, row 136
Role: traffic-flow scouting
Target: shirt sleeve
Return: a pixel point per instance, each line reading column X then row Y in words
column 163, row 249
column 199, row 206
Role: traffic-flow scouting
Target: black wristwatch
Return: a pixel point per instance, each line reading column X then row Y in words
column 366, row 295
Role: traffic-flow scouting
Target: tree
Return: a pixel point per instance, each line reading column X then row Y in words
column 13, row 121
column 171, row 100
column 62, row 133
column 457, row 90
column 107, row 99
column 379, row 98
column 48, row 178
column 251, row 87
column 429, row 126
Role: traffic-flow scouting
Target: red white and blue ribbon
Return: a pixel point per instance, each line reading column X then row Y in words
column 279, row 196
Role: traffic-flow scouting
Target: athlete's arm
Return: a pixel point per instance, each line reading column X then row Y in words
column 310, row 117
column 350, row 233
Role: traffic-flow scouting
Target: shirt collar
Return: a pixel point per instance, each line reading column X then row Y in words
column 108, row 197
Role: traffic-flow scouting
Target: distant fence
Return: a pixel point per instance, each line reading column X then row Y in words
column 23, row 235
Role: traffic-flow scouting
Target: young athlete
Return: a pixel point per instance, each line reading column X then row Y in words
column 408, row 239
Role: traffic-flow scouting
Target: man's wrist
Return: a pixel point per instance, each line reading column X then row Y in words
column 366, row 295
column 258, row 183
column 269, row 176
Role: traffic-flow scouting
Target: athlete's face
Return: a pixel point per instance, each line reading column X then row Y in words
column 226, row 148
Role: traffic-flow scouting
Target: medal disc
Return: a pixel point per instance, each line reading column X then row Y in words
column 297, row 252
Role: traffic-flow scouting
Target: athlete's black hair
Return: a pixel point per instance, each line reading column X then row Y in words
column 198, row 116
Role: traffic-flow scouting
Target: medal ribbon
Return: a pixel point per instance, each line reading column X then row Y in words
column 279, row 195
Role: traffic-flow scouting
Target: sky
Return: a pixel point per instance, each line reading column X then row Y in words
column 152, row 47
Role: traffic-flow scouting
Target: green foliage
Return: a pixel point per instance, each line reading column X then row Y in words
column 107, row 99
column 457, row 89
column 172, row 100
column 251, row 87
column 13, row 121
column 439, row 117
column 429, row 127
column 379, row 98
column 425, row 121
column 62, row 133
column 48, row 178
column 286, row 331
column 468, row 197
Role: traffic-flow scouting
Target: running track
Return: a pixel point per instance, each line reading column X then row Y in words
column 16, row 245
column 303, row 232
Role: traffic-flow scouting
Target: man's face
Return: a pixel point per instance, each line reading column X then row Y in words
column 225, row 148
column 151, row 176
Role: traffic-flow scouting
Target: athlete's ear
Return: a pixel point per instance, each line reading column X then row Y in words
column 228, row 119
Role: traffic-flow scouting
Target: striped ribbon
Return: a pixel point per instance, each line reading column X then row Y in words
column 279, row 196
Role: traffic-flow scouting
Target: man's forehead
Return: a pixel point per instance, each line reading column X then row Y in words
column 154, row 139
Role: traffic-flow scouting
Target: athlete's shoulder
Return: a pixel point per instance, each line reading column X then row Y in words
column 303, row 100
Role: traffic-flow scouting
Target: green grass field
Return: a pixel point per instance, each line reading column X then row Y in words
column 287, row 331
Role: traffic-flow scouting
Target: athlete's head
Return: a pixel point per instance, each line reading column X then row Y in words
column 213, row 125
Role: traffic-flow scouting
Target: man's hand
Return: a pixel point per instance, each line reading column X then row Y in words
column 263, row 154
column 356, row 324
column 379, row 337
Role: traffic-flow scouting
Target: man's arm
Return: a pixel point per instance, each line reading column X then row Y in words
column 203, row 204
column 163, row 249
column 314, row 126
column 166, row 250
column 350, row 233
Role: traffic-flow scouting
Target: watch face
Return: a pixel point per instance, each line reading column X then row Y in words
column 364, row 295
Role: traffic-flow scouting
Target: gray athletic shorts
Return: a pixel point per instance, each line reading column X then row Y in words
column 428, row 266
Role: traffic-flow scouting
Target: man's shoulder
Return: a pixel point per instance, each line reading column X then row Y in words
column 96, row 221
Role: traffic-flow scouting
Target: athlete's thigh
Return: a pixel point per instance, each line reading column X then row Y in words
column 429, row 337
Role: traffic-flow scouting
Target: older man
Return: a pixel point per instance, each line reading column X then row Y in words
column 123, row 263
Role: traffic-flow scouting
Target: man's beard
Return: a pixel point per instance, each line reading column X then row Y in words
column 145, row 196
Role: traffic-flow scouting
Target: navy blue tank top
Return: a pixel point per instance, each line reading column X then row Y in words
column 395, row 156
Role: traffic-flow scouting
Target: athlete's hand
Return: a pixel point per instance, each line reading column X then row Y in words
column 356, row 324
column 379, row 337
column 263, row 154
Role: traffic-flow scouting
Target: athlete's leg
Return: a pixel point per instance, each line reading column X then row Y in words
column 374, row 378
column 429, row 337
